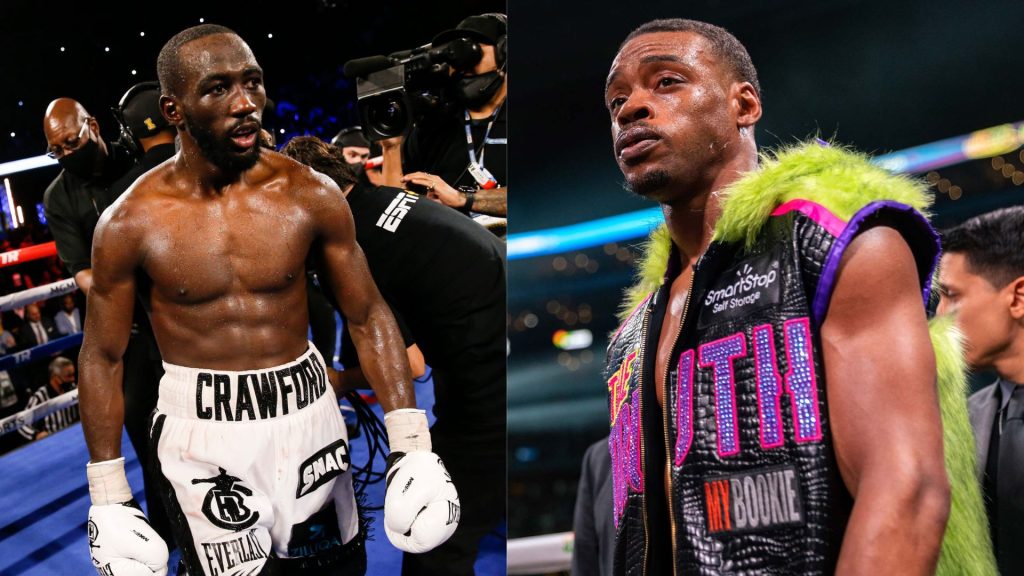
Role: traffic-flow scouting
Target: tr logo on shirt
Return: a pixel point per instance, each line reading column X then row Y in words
column 224, row 504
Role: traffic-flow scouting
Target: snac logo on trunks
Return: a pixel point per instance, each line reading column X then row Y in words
column 321, row 467
column 257, row 396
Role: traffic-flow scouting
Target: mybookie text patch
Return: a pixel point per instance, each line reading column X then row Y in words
column 753, row 501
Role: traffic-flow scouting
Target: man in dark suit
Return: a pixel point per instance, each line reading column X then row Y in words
column 36, row 330
column 592, row 521
column 981, row 279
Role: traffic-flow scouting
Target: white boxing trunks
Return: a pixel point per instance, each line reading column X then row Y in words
column 256, row 466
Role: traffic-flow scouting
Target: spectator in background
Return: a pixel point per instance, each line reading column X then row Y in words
column 7, row 341
column 37, row 330
column 62, row 379
column 76, row 197
column 8, row 392
column 353, row 144
column 592, row 523
column 68, row 321
column 981, row 280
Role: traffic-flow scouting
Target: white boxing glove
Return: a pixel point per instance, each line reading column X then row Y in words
column 421, row 505
column 121, row 541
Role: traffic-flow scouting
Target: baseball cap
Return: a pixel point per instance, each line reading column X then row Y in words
column 486, row 28
column 142, row 113
column 351, row 136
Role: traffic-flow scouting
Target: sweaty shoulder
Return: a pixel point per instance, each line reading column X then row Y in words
column 145, row 191
column 299, row 181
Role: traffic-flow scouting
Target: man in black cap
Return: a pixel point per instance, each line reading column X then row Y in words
column 353, row 144
column 458, row 156
column 146, row 134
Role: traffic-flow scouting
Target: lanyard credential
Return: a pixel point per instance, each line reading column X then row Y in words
column 476, row 168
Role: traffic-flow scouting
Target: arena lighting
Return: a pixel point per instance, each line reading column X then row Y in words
column 573, row 339
column 979, row 144
column 21, row 217
column 24, row 164
column 10, row 202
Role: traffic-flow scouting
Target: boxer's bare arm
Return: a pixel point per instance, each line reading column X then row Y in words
column 884, row 408
column 108, row 324
column 378, row 341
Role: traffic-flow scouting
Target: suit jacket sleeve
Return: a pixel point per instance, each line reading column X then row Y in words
column 585, row 550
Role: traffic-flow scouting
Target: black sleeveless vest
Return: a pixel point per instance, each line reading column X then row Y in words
column 754, row 485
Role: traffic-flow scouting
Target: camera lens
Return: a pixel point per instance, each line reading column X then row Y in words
column 389, row 115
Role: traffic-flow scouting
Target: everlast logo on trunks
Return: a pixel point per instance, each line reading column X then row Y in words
column 753, row 501
column 396, row 211
column 224, row 504
column 751, row 285
column 321, row 467
column 222, row 557
column 259, row 395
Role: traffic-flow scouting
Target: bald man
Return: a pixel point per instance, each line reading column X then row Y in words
column 77, row 196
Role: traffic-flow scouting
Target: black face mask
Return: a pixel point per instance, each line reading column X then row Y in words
column 477, row 90
column 67, row 386
column 81, row 162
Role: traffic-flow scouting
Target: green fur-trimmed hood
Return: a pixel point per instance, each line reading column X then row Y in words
column 841, row 180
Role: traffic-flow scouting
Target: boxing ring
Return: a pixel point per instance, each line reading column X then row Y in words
column 44, row 496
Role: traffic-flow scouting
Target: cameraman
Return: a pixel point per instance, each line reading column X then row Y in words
column 459, row 156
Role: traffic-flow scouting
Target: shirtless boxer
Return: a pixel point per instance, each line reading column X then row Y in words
column 247, row 432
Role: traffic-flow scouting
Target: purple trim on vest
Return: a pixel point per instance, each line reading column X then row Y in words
column 816, row 212
column 684, row 408
column 718, row 355
column 769, row 387
column 823, row 296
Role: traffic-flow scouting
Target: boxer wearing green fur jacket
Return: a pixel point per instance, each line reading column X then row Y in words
column 777, row 402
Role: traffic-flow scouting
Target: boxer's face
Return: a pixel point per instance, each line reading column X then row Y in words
column 982, row 310
column 222, row 100
column 668, row 95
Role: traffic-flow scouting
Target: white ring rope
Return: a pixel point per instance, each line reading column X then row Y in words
column 29, row 416
column 19, row 299
column 540, row 554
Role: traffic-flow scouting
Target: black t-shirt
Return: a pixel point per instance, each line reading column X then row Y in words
column 153, row 157
column 437, row 145
column 73, row 206
column 444, row 277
